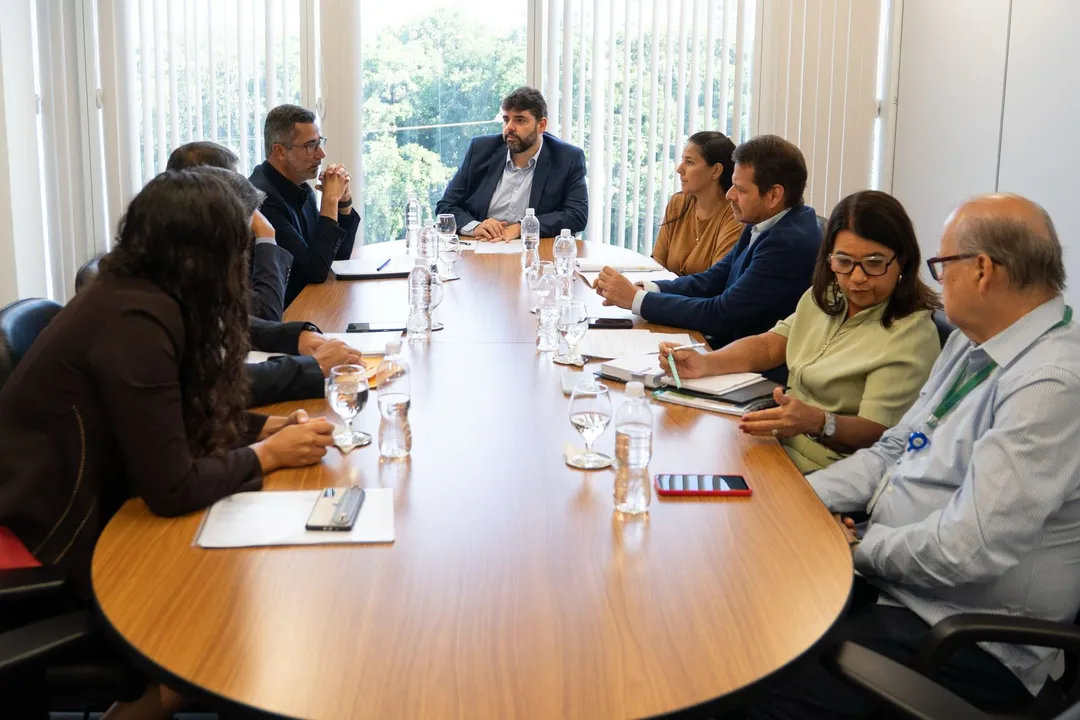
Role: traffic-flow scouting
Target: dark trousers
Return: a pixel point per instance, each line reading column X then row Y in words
column 808, row 690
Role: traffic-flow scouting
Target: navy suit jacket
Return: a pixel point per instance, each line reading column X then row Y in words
column 748, row 291
column 559, row 194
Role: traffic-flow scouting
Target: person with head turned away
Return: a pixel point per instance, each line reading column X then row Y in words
column 306, row 355
column 524, row 167
column 699, row 226
column 316, row 234
column 136, row 389
column 858, row 347
column 973, row 496
column 762, row 278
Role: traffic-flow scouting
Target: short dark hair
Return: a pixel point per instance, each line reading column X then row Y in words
column 526, row 99
column 280, row 125
column 775, row 162
column 880, row 217
column 716, row 147
column 202, row 152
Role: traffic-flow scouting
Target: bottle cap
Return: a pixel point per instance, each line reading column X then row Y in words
column 393, row 347
column 566, row 231
column 421, row 262
column 549, row 270
column 529, row 211
column 635, row 389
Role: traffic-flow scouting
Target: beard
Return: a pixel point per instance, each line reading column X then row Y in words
column 521, row 144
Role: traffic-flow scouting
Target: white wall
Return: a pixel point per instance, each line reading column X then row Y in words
column 948, row 114
column 1040, row 141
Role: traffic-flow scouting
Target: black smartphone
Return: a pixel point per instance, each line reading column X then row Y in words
column 689, row 484
column 376, row 327
column 611, row 324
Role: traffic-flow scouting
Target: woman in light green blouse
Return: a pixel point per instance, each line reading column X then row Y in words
column 859, row 346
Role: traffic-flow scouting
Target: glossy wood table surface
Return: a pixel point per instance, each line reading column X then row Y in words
column 513, row 589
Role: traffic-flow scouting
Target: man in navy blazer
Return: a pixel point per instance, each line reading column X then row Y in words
column 523, row 167
column 761, row 280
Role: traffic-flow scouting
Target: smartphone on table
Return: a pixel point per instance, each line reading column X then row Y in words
column 702, row 485
column 362, row 327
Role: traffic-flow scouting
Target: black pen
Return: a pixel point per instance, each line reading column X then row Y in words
column 383, row 265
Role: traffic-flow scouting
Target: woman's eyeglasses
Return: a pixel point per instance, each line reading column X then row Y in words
column 873, row 266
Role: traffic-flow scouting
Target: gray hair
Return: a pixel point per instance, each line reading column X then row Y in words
column 1031, row 255
column 250, row 197
column 280, row 125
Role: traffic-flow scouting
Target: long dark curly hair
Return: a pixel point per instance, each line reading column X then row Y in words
column 188, row 233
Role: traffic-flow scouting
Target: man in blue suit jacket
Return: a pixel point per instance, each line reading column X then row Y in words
column 524, row 167
column 761, row 280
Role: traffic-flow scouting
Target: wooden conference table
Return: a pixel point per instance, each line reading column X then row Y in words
column 513, row 589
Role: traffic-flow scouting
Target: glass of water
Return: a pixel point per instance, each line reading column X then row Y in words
column 438, row 291
column 572, row 324
column 445, row 225
column 533, row 275
column 347, row 393
column 590, row 413
column 449, row 252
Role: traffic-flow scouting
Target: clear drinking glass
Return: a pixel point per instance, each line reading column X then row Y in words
column 590, row 414
column 449, row 252
column 347, row 393
column 572, row 324
column 445, row 224
column 438, row 290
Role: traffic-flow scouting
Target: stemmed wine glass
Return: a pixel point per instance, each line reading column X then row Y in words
column 590, row 413
column 347, row 393
column 445, row 224
column 572, row 323
column 449, row 252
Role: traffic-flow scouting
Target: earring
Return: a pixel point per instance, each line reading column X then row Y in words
column 901, row 277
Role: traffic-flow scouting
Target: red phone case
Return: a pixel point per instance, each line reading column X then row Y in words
column 701, row 493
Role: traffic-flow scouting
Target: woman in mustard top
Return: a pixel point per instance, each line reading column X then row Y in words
column 699, row 227
column 859, row 346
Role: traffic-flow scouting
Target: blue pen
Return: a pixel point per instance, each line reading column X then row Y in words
column 383, row 265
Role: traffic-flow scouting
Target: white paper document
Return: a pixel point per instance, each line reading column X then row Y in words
column 634, row 276
column 608, row 344
column 511, row 247
column 642, row 264
column 624, row 367
column 372, row 343
column 255, row 519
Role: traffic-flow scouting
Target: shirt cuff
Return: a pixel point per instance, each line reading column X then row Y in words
column 865, row 552
column 265, row 241
column 468, row 229
column 638, row 299
column 650, row 286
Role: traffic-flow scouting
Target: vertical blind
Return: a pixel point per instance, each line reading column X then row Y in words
column 629, row 81
column 817, row 87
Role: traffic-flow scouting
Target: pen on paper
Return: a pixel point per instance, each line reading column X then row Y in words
column 383, row 265
column 674, row 371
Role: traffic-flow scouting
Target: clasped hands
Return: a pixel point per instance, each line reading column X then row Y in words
column 492, row 230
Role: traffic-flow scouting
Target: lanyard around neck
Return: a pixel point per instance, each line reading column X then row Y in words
column 961, row 389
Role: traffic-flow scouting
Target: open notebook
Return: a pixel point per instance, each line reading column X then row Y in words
column 648, row 366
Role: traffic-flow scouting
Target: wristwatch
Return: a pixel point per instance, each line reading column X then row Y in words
column 827, row 430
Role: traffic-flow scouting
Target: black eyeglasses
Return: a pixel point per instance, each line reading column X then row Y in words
column 310, row 146
column 937, row 264
column 872, row 266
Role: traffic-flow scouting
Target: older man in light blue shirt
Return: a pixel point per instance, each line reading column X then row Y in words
column 974, row 497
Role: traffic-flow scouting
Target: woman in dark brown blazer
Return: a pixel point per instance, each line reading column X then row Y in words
column 137, row 388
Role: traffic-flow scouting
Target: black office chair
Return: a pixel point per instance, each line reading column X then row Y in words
column 944, row 327
column 20, row 324
column 910, row 693
column 87, row 273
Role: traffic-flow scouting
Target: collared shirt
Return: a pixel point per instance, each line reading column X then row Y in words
column 854, row 366
column 986, row 517
column 511, row 196
column 756, row 230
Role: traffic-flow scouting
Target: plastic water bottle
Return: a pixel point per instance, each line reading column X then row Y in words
column 427, row 246
column 633, row 449
column 412, row 223
column 419, row 326
column 565, row 252
column 547, row 312
column 392, row 386
column 530, row 239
